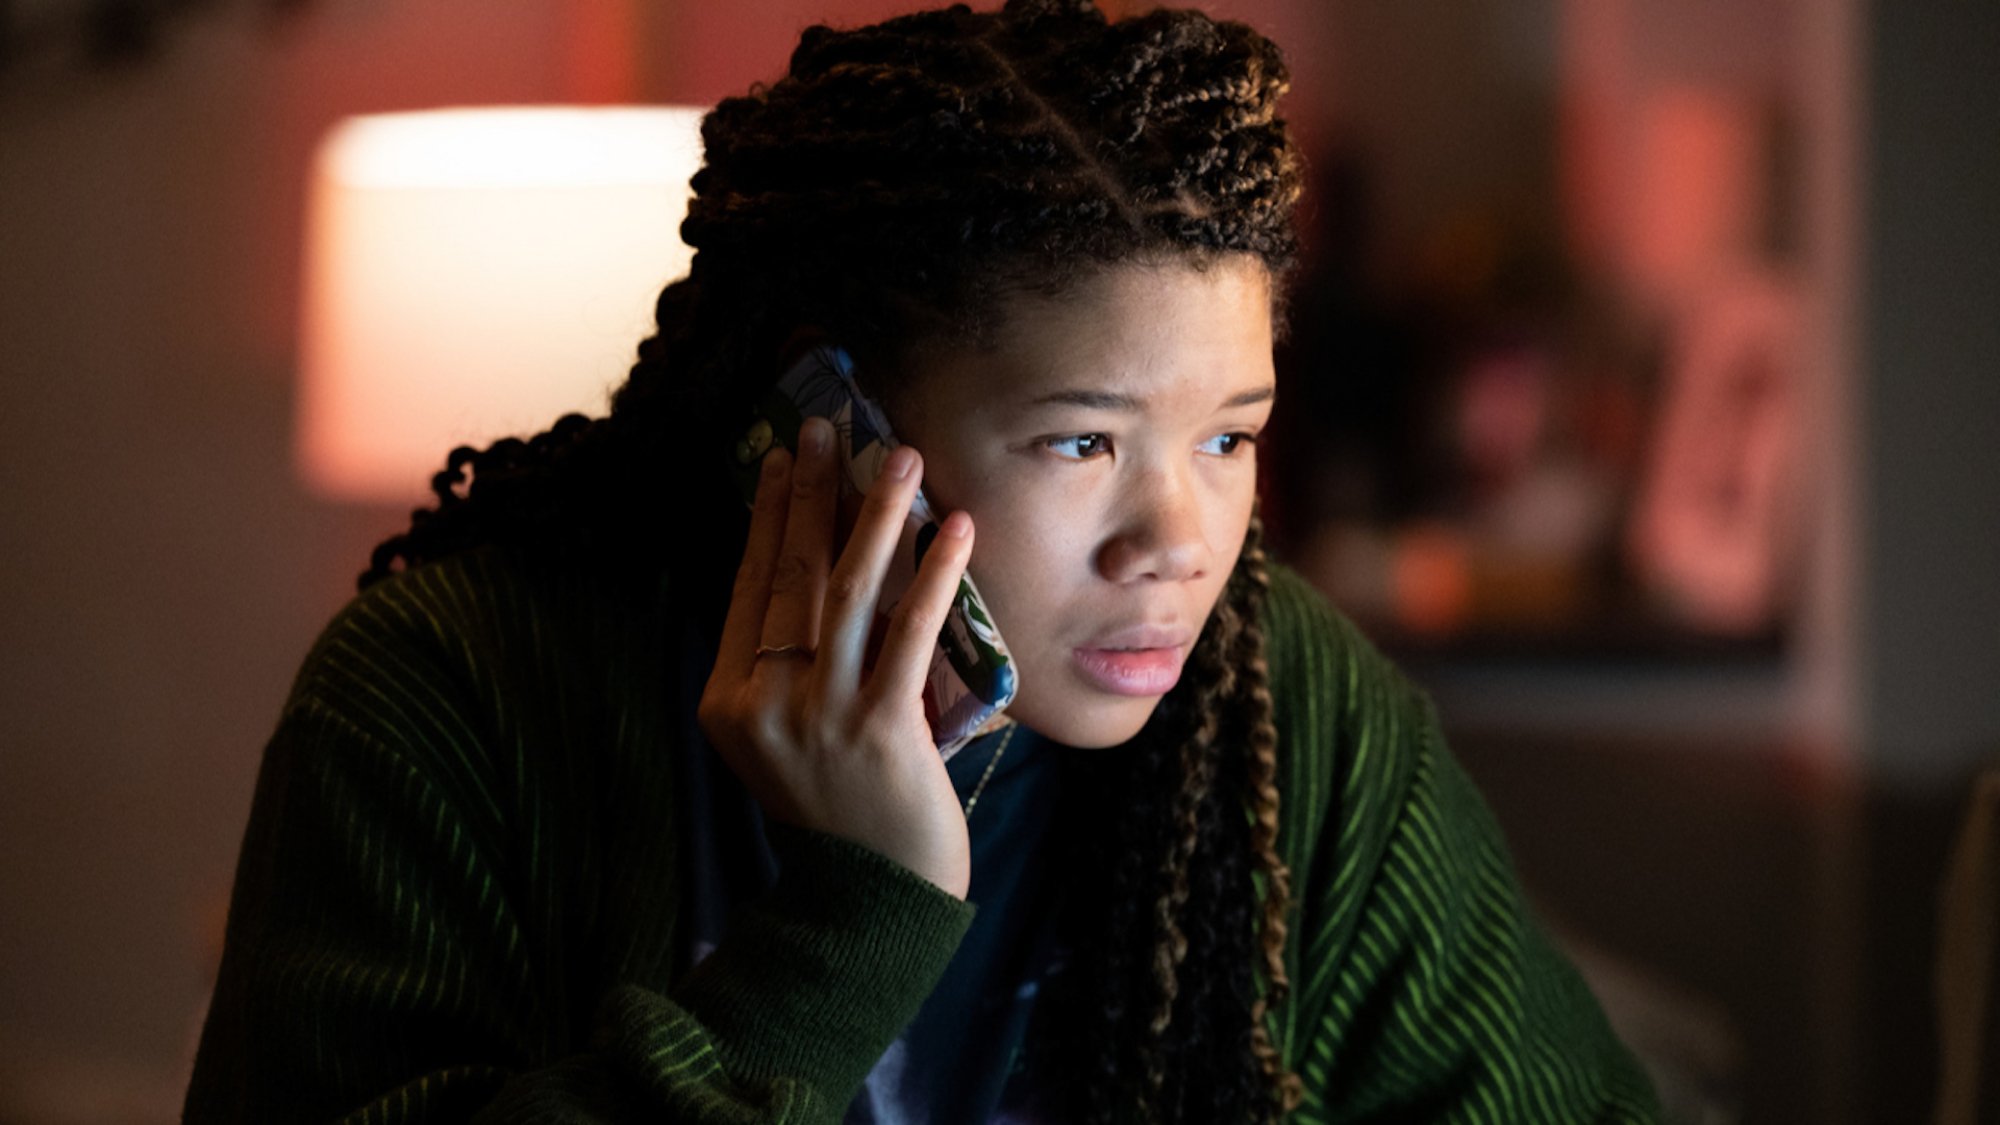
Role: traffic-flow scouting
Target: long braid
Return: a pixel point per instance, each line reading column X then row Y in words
column 890, row 189
column 1197, row 761
column 1197, row 768
column 1263, row 763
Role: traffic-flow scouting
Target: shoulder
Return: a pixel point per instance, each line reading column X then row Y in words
column 1353, row 731
column 467, row 640
column 1328, row 681
column 1315, row 652
column 444, row 618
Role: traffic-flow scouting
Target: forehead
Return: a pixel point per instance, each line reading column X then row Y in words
column 1155, row 335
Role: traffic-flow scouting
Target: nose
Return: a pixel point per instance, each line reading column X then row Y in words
column 1159, row 533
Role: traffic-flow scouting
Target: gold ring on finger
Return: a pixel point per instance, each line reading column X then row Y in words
column 805, row 651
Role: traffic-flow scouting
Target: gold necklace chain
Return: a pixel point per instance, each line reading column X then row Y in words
column 990, row 763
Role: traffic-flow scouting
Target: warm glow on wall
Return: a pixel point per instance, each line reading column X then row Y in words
column 474, row 273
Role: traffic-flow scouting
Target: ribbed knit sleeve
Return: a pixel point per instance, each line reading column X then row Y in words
column 457, row 893
column 1424, row 990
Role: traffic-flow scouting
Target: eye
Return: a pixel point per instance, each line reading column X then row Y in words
column 1231, row 443
column 1085, row 445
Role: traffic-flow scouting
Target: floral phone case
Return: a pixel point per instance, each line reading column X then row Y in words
column 972, row 677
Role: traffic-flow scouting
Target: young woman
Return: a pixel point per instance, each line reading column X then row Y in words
column 610, row 801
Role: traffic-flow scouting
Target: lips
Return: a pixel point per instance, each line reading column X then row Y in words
column 1134, row 660
column 1142, row 637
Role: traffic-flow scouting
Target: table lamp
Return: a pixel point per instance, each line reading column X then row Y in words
column 476, row 273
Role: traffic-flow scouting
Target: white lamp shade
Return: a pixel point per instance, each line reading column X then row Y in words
column 475, row 273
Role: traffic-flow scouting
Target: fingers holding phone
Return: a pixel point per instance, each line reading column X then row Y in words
column 972, row 674
column 818, row 742
column 798, row 578
column 855, row 588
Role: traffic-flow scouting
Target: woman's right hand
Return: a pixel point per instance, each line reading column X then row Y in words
column 822, row 740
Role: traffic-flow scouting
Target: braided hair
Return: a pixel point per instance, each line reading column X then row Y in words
column 891, row 189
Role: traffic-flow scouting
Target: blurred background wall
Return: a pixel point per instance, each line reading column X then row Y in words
column 1741, row 833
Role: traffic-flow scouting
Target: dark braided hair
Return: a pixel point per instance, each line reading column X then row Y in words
column 891, row 190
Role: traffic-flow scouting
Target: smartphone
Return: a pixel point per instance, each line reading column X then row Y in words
column 972, row 677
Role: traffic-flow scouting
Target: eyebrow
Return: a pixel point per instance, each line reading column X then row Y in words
column 1111, row 400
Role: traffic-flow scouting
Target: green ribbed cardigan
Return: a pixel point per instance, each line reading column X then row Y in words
column 457, row 896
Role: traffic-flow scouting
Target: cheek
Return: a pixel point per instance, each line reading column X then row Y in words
column 1231, row 520
column 1033, row 556
column 1026, row 565
column 1235, row 527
